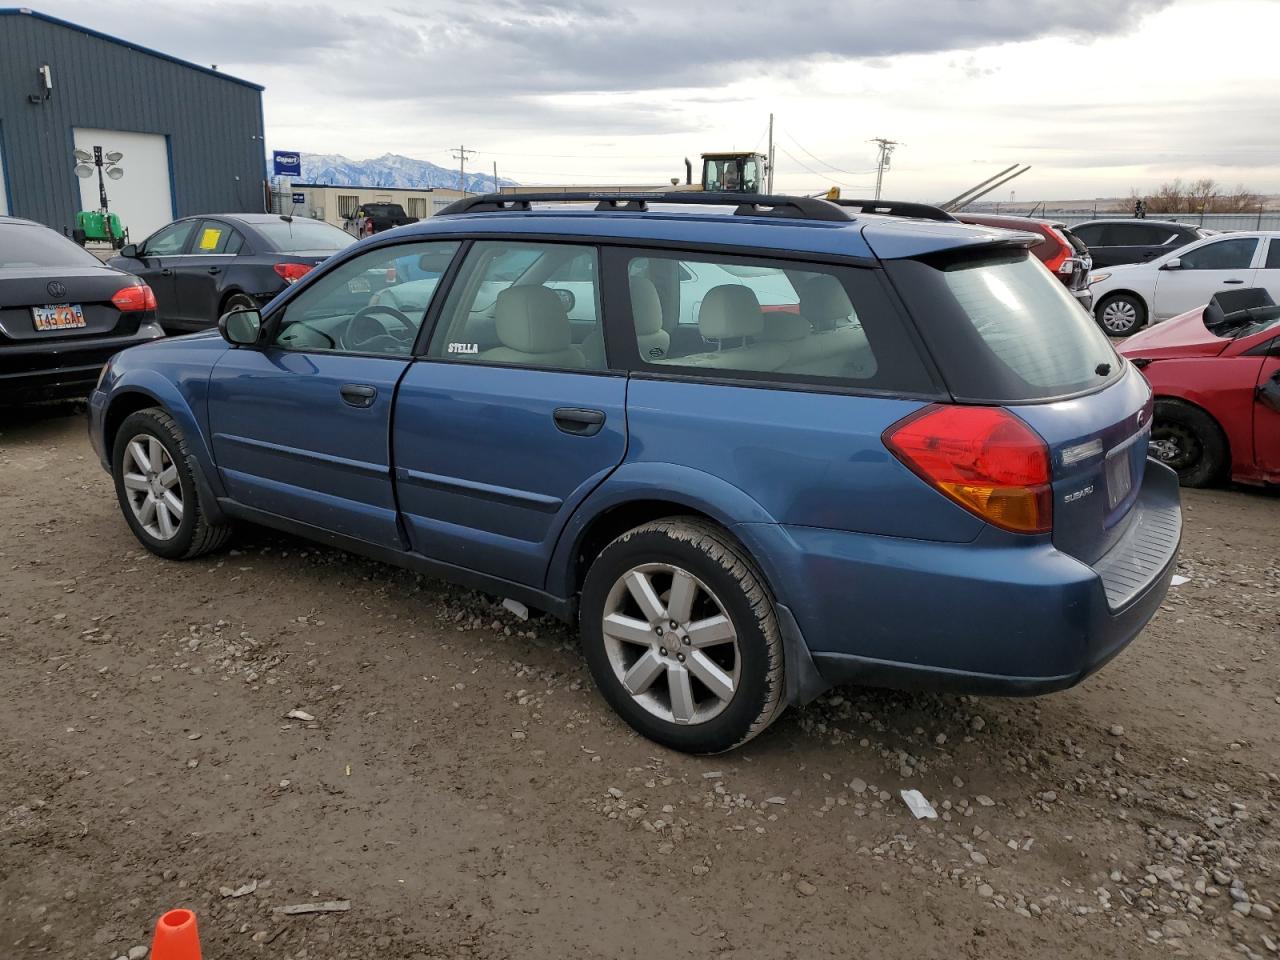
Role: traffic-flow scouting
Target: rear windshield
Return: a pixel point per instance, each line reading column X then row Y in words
column 1003, row 329
column 23, row 246
column 302, row 235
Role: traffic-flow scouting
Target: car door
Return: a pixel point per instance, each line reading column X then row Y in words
column 1267, row 275
column 1266, row 416
column 1189, row 278
column 495, row 446
column 198, row 275
column 301, row 427
column 157, row 258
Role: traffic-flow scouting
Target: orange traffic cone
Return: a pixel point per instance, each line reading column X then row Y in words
column 176, row 937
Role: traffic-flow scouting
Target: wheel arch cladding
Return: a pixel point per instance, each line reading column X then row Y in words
column 638, row 493
column 141, row 389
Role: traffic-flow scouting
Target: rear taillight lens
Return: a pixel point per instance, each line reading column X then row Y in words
column 131, row 299
column 291, row 272
column 983, row 458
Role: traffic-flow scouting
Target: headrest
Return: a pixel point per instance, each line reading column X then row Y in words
column 823, row 300
column 646, row 308
column 532, row 319
column 730, row 310
column 780, row 325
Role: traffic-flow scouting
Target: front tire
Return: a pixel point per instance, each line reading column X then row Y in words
column 1189, row 441
column 154, row 475
column 1121, row 314
column 680, row 635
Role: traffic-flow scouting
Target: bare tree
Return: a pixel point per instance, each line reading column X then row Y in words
column 1201, row 196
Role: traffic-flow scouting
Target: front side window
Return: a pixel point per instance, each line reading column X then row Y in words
column 372, row 304
column 1235, row 254
column 769, row 320
column 170, row 240
column 527, row 304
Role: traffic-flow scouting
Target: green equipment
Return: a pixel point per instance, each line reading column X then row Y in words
column 94, row 225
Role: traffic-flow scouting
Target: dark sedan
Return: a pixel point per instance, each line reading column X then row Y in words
column 62, row 314
column 201, row 267
column 1113, row 242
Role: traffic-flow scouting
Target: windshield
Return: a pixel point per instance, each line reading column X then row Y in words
column 23, row 246
column 1002, row 329
column 303, row 235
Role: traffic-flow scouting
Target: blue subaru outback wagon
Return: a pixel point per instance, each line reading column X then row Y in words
column 754, row 446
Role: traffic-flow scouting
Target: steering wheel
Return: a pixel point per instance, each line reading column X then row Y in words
column 363, row 333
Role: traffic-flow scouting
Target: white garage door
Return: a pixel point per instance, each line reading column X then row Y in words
column 141, row 197
column 4, row 198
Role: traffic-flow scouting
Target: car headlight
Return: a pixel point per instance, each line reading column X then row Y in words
column 1097, row 278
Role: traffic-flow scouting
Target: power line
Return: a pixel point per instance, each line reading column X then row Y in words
column 824, row 162
column 816, row 173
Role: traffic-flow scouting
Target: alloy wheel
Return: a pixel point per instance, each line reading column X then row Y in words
column 671, row 644
column 151, row 484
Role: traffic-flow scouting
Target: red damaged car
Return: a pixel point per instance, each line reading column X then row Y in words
column 1215, row 373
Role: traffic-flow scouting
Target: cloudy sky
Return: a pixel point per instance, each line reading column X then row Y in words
column 1099, row 96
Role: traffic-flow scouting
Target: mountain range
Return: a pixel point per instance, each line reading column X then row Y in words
column 390, row 170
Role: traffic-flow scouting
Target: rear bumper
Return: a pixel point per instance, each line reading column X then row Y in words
column 65, row 370
column 994, row 616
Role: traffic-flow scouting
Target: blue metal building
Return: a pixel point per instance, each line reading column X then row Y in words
column 191, row 138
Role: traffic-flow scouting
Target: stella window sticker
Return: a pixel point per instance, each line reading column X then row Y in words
column 471, row 348
column 209, row 238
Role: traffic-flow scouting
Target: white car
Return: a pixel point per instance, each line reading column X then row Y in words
column 1127, row 297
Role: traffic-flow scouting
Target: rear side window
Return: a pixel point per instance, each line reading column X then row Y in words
column 1273, row 255
column 524, row 304
column 23, row 246
column 769, row 320
column 1002, row 329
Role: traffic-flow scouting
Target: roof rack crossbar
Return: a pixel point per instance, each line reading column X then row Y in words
column 899, row 208
column 744, row 204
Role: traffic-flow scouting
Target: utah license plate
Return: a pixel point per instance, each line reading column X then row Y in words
column 58, row 316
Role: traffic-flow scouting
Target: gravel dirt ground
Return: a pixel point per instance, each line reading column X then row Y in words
column 454, row 776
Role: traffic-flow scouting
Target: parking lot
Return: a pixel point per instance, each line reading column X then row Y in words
column 464, row 787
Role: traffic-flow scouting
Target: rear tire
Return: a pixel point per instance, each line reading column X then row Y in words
column 713, row 681
column 1120, row 314
column 1190, row 442
column 237, row 301
column 154, row 473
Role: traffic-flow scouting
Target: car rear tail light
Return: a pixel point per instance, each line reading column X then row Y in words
column 291, row 272
column 131, row 299
column 983, row 458
column 1067, row 267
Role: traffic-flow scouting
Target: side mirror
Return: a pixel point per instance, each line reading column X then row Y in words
column 129, row 250
column 568, row 299
column 1174, row 264
column 241, row 328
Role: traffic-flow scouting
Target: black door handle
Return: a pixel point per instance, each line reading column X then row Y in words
column 579, row 421
column 166, row 272
column 358, row 394
column 1233, row 281
column 215, row 269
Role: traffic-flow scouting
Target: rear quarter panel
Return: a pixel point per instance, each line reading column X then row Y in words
column 806, row 459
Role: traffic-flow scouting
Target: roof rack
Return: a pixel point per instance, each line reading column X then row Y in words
column 899, row 208
column 746, row 204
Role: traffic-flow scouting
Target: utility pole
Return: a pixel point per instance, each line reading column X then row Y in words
column 497, row 188
column 769, row 188
column 461, row 155
column 886, row 151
